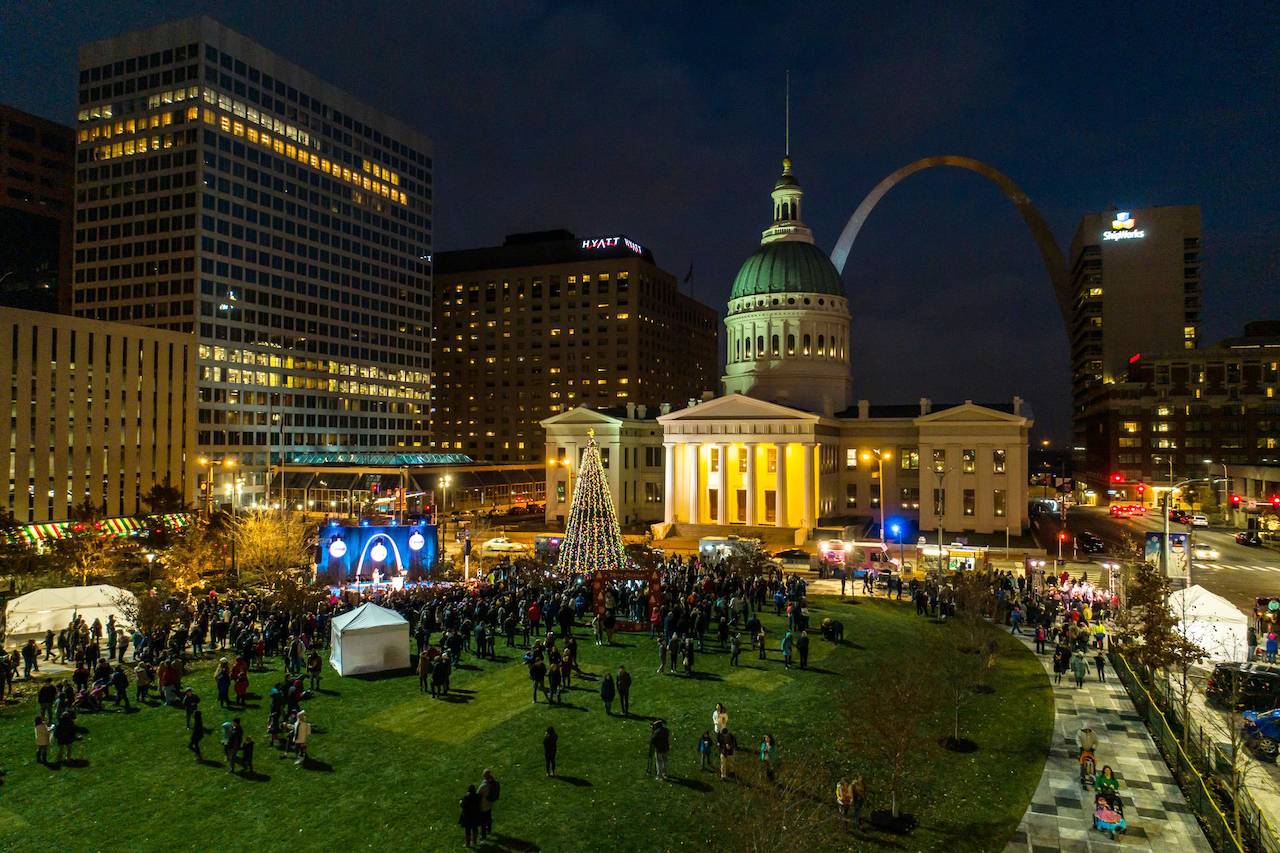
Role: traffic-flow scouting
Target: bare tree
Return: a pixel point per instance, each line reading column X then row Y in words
column 958, row 662
column 146, row 612
column 1151, row 637
column 791, row 813
column 893, row 742
column 1228, row 726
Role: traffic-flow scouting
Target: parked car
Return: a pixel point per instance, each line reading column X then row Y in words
column 503, row 545
column 1244, row 686
column 1262, row 733
column 1249, row 537
column 1120, row 511
column 1198, row 520
column 1090, row 543
column 792, row 558
column 1204, row 551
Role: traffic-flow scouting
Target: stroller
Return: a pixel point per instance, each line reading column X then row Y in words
column 1088, row 769
column 1108, row 815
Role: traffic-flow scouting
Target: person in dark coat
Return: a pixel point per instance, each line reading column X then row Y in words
column 197, row 734
column 550, row 742
column 624, row 690
column 802, row 646
column 470, row 818
column 606, row 693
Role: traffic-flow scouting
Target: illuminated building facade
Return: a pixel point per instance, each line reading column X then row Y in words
column 549, row 321
column 1185, row 414
column 225, row 192
column 101, row 413
column 1135, row 288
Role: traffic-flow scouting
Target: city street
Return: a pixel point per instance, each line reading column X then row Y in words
column 1240, row 573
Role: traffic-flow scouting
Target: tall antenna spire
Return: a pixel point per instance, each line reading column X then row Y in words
column 787, row 151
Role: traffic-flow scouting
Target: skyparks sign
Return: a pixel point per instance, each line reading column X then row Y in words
column 1123, row 228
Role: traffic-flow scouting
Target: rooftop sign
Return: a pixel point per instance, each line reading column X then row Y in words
column 1122, row 228
column 597, row 243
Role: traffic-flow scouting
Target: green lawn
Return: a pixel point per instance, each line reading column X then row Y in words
column 390, row 764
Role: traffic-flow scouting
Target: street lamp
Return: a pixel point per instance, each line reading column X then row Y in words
column 938, row 506
column 444, row 492
column 880, row 457
column 1225, row 483
column 897, row 532
column 211, row 464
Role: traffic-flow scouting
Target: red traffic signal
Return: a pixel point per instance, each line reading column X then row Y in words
column 1275, row 501
column 1141, row 488
column 1235, row 500
column 1063, row 536
column 1117, row 478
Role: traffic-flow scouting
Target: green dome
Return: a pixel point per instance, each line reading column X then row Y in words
column 787, row 266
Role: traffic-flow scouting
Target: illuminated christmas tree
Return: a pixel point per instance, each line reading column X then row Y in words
column 592, row 539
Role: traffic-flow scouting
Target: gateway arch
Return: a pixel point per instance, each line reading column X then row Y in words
column 1049, row 250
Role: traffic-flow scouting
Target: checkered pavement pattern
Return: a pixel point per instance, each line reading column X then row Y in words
column 1060, row 817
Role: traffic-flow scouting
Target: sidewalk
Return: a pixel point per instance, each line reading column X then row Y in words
column 1060, row 816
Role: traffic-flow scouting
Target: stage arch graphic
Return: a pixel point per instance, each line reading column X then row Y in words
column 1054, row 262
column 368, row 545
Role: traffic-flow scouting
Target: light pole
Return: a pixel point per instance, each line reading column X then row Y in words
column 939, row 505
column 880, row 457
column 444, row 493
column 897, row 532
column 1225, row 483
column 211, row 464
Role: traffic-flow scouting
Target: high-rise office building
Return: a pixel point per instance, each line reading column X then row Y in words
column 549, row 321
column 37, row 196
column 101, row 413
column 224, row 191
column 1135, row 284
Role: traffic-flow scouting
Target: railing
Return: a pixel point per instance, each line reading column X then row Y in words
column 1217, row 826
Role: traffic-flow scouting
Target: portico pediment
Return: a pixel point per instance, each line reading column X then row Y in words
column 581, row 416
column 738, row 407
column 969, row 413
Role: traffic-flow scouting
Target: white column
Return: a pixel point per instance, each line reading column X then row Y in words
column 722, row 488
column 780, row 499
column 692, row 455
column 807, row 519
column 750, row 449
column 571, row 474
column 669, row 482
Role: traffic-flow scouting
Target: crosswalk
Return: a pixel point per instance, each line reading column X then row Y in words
column 1234, row 567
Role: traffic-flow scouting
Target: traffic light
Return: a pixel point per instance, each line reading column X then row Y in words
column 1235, row 501
column 1117, row 478
column 1063, row 535
column 1141, row 488
column 1275, row 501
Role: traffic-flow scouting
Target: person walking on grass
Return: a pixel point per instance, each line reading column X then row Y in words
column 488, row 790
column 760, row 642
column 844, row 799
column 197, row 734
column 64, row 734
column 43, row 737
column 802, row 648
column 550, row 742
column 606, row 693
column 704, row 751
column 659, row 746
column 859, row 798
column 190, row 701
column 735, row 648
column 623, row 683
column 662, row 655
column 301, row 735
column 728, row 745
column 719, row 719
column 470, row 817
column 786, row 651
column 768, row 756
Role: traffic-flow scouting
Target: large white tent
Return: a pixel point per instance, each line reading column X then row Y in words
column 1212, row 623
column 369, row 639
column 31, row 615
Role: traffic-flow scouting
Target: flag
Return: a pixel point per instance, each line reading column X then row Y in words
column 689, row 274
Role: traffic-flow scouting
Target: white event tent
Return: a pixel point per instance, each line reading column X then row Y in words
column 31, row 615
column 1212, row 623
column 369, row 639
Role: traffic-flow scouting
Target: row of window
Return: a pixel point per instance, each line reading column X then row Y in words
column 909, row 460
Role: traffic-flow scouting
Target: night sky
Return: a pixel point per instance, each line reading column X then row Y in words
column 664, row 121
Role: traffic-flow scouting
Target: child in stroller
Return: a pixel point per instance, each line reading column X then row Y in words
column 1088, row 768
column 1108, row 814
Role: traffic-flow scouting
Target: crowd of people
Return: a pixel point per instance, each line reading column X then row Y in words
column 698, row 605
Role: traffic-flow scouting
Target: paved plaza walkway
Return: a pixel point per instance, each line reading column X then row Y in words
column 1060, row 816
